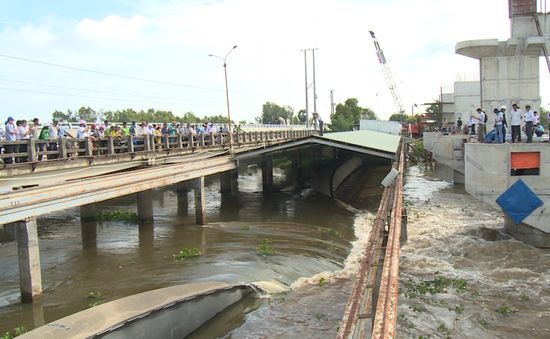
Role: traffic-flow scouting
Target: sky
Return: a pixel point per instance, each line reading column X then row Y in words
column 140, row 54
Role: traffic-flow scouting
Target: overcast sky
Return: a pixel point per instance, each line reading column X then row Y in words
column 169, row 41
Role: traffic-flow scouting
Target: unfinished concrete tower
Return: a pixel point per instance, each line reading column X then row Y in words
column 509, row 70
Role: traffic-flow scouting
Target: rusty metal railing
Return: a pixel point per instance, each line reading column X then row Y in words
column 367, row 315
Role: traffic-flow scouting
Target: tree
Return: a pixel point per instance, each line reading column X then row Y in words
column 347, row 115
column 86, row 113
column 368, row 114
column 435, row 110
column 401, row 117
column 272, row 113
column 302, row 116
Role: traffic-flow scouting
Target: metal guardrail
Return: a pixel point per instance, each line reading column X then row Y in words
column 33, row 150
column 371, row 310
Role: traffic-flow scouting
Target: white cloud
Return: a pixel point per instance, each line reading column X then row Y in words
column 170, row 41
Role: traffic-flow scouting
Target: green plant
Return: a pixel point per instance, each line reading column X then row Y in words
column 265, row 247
column 459, row 309
column 187, row 253
column 19, row 330
column 245, row 228
column 320, row 316
column 505, row 310
column 524, row 297
column 94, row 295
column 322, row 282
column 118, row 215
column 94, row 304
column 483, row 323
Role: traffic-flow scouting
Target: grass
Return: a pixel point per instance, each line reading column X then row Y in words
column 187, row 253
column 118, row 215
column 265, row 248
column 19, row 330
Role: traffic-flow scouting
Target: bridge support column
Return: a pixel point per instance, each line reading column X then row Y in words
column 267, row 175
column 183, row 202
column 30, row 276
column 145, row 206
column 88, row 226
column 298, row 170
column 458, row 178
column 200, row 201
column 225, row 182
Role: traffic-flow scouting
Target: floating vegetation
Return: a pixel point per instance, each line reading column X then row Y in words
column 94, row 295
column 483, row 323
column 524, row 297
column 444, row 330
column 505, row 310
column 118, row 215
column 187, row 253
column 265, row 248
column 94, row 304
column 245, row 228
column 322, row 282
column 19, row 330
column 439, row 284
column 459, row 309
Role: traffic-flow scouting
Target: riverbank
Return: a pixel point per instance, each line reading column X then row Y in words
column 461, row 275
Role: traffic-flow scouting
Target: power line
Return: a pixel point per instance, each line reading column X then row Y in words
column 82, row 89
column 106, row 73
column 93, row 97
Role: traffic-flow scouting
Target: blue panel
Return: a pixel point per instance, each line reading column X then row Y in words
column 519, row 201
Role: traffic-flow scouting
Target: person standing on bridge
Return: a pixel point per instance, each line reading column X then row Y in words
column 11, row 135
column 515, row 123
column 499, row 130
column 529, row 119
column 459, row 125
column 482, row 125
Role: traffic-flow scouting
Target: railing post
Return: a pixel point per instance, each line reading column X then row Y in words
column 202, row 140
column 31, row 150
column 256, row 136
column 88, row 147
column 130, row 143
column 110, row 145
column 190, row 140
column 62, row 148
column 180, row 141
column 167, row 141
column 146, row 143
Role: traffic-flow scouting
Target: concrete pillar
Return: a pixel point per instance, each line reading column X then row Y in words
column 183, row 203
column 145, row 206
column 200, row 201
column 88, row 212
column 234, row 180
column 88, row 231
column 298, row 170
column 267, row 175
column 30, row 276
column 225, row 182
column 146, row 239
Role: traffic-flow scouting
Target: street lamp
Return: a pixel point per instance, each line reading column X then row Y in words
column 227, row 94
column 412, row 109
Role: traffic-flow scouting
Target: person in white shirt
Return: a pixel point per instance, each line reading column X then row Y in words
column 481, row 128
column 515, row 122
column 529, row 121
column 499, row 132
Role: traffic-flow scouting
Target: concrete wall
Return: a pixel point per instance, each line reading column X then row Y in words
column 391, row 127
column 446, row 149
column 467, row 99
column 487, row 174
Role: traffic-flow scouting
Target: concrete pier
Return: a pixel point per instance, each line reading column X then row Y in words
column 145, row 206
column 225, row 181
column 200, row 201
column 182, row 188
column 30, row 276
column 88, row 212
column 267, row 175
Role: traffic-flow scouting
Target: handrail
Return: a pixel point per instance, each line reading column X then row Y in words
column 62, row 149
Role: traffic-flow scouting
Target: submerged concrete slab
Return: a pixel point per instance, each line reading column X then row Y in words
column 146, row 315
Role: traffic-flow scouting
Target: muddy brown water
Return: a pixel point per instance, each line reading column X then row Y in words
column 310, row 234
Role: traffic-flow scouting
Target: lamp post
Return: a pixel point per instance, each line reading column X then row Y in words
column 412, row 109
column 224, row 59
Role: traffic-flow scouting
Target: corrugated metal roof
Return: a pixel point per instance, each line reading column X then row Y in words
column 368, row 139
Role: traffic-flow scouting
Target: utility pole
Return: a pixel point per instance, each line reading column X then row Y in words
column 332, row 104
column 314, row 88
column 305, row 71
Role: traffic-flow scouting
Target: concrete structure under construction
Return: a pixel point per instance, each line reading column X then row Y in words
column 509, row 70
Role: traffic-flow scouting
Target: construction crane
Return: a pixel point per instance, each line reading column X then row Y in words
column 387, row 73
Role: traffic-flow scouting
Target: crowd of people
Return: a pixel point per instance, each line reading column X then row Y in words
column 527, row 121
column 20, row 130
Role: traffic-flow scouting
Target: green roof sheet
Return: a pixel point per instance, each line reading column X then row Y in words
column 369, row 139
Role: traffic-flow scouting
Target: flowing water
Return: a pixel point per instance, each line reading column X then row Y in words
column 310, row 234
column 461, row 275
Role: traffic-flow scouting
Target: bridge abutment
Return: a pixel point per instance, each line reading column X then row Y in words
column 200, row 201
column 182, row 189
column 25, row 233
column 145, row 206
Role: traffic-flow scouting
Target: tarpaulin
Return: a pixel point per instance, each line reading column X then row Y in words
column 519, row 201
column 524, row 160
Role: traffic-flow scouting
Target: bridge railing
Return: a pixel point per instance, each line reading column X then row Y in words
column 33, row 150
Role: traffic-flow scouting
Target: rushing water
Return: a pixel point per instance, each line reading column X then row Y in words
column 310, row 234
column 501, row 286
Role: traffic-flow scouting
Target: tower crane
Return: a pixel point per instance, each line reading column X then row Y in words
column 388, row 75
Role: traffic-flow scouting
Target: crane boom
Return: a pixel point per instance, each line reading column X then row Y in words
column 388, row 75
